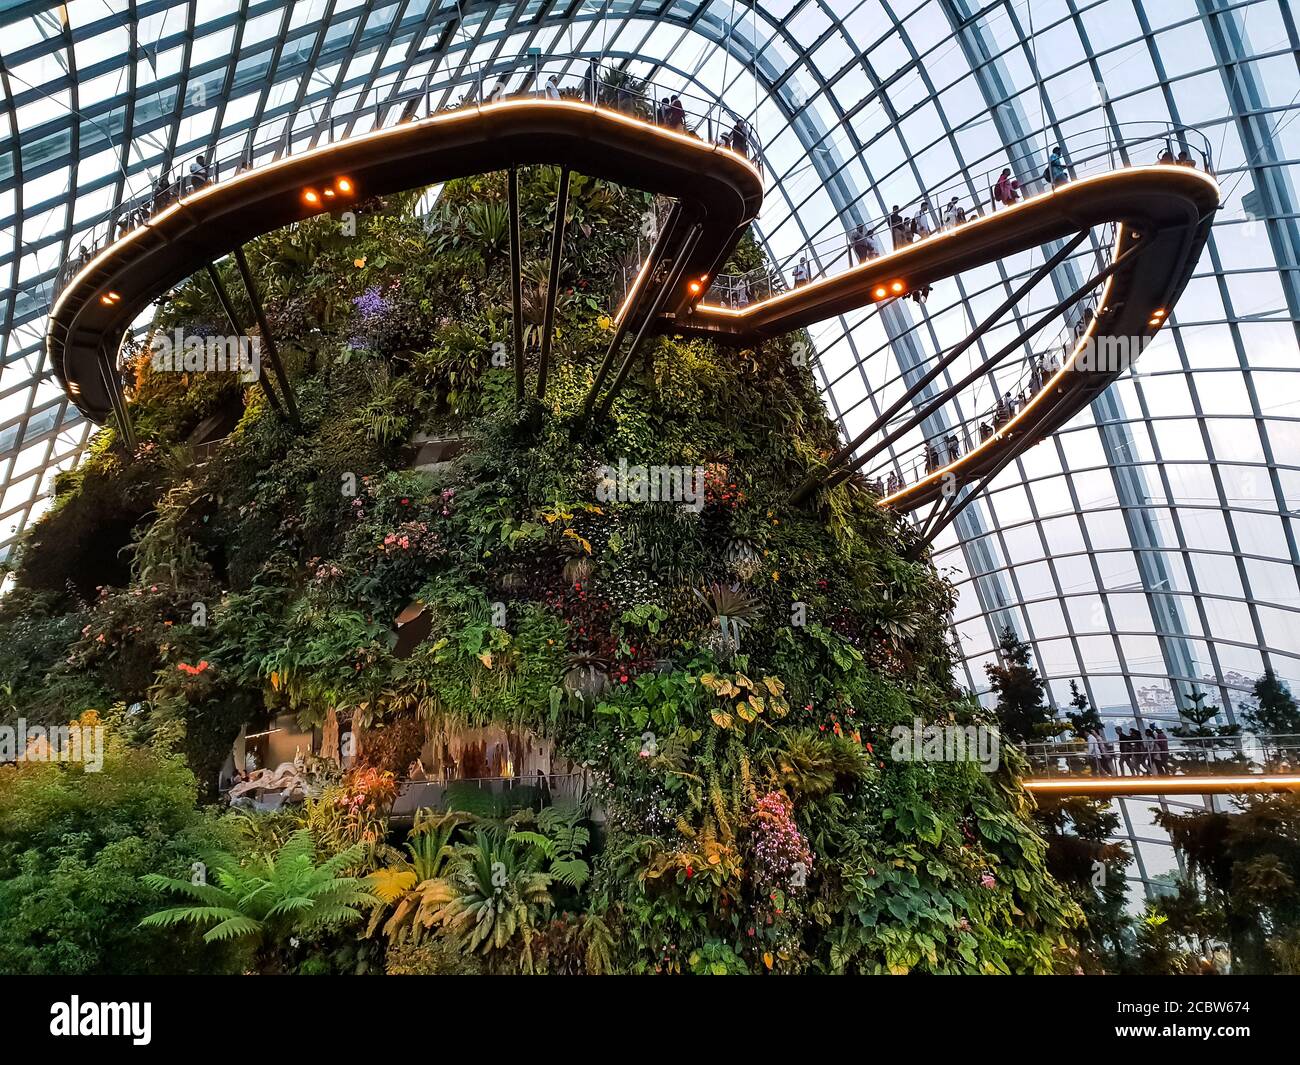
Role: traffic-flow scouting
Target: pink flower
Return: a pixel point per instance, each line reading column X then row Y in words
column 987, row 881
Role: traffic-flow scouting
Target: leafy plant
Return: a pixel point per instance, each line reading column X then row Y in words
column 267, row 900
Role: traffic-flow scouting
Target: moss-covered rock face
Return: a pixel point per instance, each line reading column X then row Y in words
column 727, row 666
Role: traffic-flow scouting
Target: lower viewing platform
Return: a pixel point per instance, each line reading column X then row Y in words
column 1186, row 766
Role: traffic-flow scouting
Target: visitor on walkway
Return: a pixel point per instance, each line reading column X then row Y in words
column 1057, row 168
column 986, row 431
column 1152, row 747
column 1186, row 160
column 1166, row 157
column 553, row 87
column 893, row 484
column 921, row 223
column 1107, row 752
column 739, row 138
column 1007, row 189
column 863, row 242
column 1094, row 753
column 954, row 448
column 898, row 229
column 1162, row 751
column 162, row 195
column 676, row 114
column 593, row 81
column 200, row 172
column 954, row 214
column 1126, row 763
column 742, row 293
column 802, row 273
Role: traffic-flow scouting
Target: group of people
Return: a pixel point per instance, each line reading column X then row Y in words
column 1009, row 405
column 1166, row 158
column 886, row 486
column 164, row 193
column 1134, row 752
column 670, row 112
column 1007, row 191
column 947, row 450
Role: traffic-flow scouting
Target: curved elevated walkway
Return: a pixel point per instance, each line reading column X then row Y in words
column 718, row 188
column 1233, row 765
column 1166, row 209
column 1162, row 215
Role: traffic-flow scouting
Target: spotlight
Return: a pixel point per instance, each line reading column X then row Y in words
column 344, row 184
column 311, row 196
column 1158, row 314
column 694, row 286
column 880, row 292
column 329, row 194
column 896, row 287
column 109, row 298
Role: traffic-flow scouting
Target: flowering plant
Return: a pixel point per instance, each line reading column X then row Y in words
column 782, row 857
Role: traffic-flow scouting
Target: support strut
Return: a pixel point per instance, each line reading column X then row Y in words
column 516, row 283
column 223, row 297
column 553, row 281
column 268, row 338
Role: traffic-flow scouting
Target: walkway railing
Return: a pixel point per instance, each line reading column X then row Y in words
column 414, row 795
column 912, row 464
column 389, row 104
column 1178, row 756
column 952, row 203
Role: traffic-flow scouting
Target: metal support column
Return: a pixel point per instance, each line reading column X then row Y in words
column 553, row 281
column 268, row 339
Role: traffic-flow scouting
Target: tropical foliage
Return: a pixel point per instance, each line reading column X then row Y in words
column 725, row 671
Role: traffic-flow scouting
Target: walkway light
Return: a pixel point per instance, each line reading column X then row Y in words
column 880, row 292
column 329, row 194
column 344, row 184
column 310, row 196
column 896, row 287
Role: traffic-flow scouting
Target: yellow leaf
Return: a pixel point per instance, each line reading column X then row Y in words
column 391, row 884
column 275, row 681
column 767, row 958
column 721, row 718
column 486, row 658
column 773, row 685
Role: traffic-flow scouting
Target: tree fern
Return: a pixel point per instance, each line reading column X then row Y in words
column 269, row 899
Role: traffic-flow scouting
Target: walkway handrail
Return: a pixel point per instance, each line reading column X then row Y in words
column 1242, row 754
column 826, row 253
